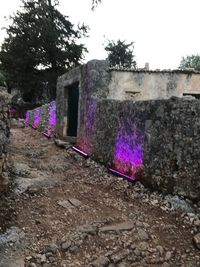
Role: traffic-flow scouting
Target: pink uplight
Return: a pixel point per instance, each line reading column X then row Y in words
column 36, row 118
column 129, row 153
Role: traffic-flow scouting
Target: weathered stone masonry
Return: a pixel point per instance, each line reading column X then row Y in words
column 158, row 141
column 4, row 139
column 43, row 118
column 128, row 121
column 92, row 80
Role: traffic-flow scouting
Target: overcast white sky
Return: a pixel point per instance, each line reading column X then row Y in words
column 163, row 30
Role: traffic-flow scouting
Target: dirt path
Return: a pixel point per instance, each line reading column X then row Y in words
column 68, row 211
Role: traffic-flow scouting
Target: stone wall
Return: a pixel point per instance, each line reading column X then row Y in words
column 147, row 85
column 43, row 118
column 157, row 141
column 94, row 86
column 92, row 79
column 4, row 139
column 95, row 81
column 154, row 140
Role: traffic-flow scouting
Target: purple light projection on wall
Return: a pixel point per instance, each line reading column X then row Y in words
column 13, row 112
column 52, row 120
column 27, row 118
column 36, row 118
column 52, row 114
column 85, row 140
column 129, row 153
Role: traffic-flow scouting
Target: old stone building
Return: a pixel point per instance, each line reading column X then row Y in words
column 136, row 122
column 79, row 90
column 148, row 85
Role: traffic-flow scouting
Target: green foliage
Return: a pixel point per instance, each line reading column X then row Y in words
column 192, row 61
column 120, row 54
column 41, row 45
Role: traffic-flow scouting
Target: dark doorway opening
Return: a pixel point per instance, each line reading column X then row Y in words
column 73, row 100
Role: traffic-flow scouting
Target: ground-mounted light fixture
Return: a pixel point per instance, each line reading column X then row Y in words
column 120, row 174
column 34, row 127
column 47, row 135
column 81, row 152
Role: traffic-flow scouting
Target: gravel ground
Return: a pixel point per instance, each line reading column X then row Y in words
column 64, row 210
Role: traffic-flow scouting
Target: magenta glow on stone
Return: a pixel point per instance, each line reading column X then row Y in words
column 47, row 134
column 52, row 114
column 85, row 139
column 36, row 118
column 52, row 121
column 13, row 111
column 27, row 118
column 129, row 153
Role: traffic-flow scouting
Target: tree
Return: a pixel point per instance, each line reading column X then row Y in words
column 192, row 61
column 41, row 45
column 120, row 54
column 95, row 3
